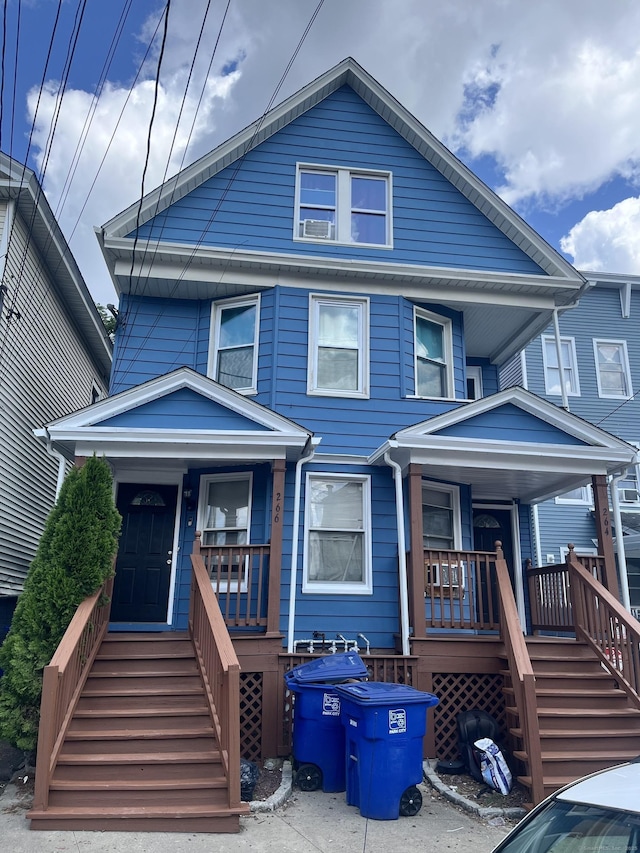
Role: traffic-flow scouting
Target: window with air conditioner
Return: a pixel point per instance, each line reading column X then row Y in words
column 343, row 205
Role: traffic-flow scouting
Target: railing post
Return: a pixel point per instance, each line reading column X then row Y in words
column 275, row 550
column 46, row 736
column 416, row 577
column 603, row 529
column 579, row 616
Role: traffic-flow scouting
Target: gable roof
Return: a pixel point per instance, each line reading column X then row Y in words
column 349, row 73
column 130, row 424
column 18, row 183
column 503, row 463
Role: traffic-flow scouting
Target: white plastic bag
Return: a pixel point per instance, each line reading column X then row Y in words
column 494, row 768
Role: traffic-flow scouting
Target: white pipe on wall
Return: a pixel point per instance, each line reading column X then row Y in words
column 402, row 554
column 293, row 575
column 622, row 557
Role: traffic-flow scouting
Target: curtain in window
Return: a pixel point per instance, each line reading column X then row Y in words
column 336, row 537
column 431, row 380
column 236, row 346
column 338, row 341
column 227, row 513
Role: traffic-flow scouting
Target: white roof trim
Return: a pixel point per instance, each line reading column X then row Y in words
column 348, row 72
column 79, row 422
column 528, row 402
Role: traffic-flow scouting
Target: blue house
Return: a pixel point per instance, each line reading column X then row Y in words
column 599, row 347
column 305, row 411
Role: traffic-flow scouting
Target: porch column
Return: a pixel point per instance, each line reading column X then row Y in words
column 275, row 548
column 415, row 565
column 603, row 531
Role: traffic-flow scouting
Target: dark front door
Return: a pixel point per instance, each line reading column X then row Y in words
column 143, row 565
column 490, row 525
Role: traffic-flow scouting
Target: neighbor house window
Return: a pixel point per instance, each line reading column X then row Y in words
column 224, row 518
column 343, row 205
column 628, row 489
column 552, row 379
column 441, row 528
column 612, row 369
column 234, row 347
column 433, row 355
column 581, row 495
column 338, row 347
column 337, row 534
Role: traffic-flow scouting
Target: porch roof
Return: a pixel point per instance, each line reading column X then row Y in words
column 500, row 462
column 140, row 425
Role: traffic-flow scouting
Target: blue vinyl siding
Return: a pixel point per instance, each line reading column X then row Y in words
column 510, row 423
column 184, row 409
column 250, row 204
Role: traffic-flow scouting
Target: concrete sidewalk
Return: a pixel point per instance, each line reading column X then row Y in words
column 306, row 823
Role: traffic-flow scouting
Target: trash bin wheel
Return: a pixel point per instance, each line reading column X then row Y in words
column 410, row 802
column 309, row 777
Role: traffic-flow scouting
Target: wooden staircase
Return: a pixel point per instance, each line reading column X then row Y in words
column 586, row 721
column 140, row 752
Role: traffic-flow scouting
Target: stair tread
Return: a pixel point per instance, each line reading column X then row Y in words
column 139, row 757
column 163, row 811
column 132, row 690
column 140, row 734
column 587, row 755
column 573, row 733
column 135, row 785
column 169, row 711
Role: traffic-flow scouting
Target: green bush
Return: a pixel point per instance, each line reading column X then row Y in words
column 74, row 558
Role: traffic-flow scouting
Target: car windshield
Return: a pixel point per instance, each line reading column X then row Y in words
column 573, row 828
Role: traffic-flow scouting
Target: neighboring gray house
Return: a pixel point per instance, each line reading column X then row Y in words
column 599, row 342
column 55, row 357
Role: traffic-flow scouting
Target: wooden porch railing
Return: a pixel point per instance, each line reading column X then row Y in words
column 521, row 672
column 460, row 590
column 604, row 624
column 220, row 672
column 63, row 681
column 238, row 575
column 549, row 593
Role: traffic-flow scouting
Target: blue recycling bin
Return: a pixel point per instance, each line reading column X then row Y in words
column 318, row 734
column 384, row 728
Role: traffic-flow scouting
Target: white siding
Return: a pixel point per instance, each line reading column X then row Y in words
column 45, row 373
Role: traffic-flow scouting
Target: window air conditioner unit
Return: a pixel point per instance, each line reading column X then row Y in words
column 629, row 496
column 447, row 576
column 320, row 228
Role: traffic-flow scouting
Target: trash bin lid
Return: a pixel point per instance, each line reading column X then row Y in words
column 328, row 669
column 381, row 693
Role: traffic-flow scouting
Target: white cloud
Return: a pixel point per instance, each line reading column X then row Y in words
column 607, row 240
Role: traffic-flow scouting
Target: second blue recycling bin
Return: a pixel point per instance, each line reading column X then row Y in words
column 384, row 727
column 318, row 734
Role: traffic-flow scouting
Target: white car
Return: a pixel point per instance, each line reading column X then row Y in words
column 597, row 814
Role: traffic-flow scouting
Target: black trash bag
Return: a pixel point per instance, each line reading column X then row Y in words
column 472, row 726
column 249, row 773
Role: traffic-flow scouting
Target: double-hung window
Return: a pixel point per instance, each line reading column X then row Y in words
column 343, row 206
column 224, row 517
column 552, row 380
column 338, row 363
column 337, row 555
column 234, row 344
column 440, row 517
column 612, row 369
column 433, row 355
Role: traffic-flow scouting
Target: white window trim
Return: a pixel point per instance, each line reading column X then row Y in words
column 316, row 299
column 205, row 479
column 337, row 588
column 446, row 324
column 573, row 365
column 625, row 367
column 343, row 204
column 217, row 309
column 474, row 371
column 454, row 491
column 586, row 500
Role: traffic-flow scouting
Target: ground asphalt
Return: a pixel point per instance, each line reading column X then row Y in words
column 291, row 822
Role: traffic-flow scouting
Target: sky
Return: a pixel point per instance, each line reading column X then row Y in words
column 540, row 99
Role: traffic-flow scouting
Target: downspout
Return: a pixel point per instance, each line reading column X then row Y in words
column 293, row 574
column 62, row 463
column 563, row 388
column 617, row 522
column 402, row 554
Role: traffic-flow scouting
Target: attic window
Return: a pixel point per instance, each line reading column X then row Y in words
column 343, row 206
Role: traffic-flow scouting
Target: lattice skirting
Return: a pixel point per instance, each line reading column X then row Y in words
column 251, row 715
column 464, row 692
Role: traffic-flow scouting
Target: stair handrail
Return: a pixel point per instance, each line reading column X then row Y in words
column 63, row 680
column 521, row 671
column 606, row 627
column 220, row 671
